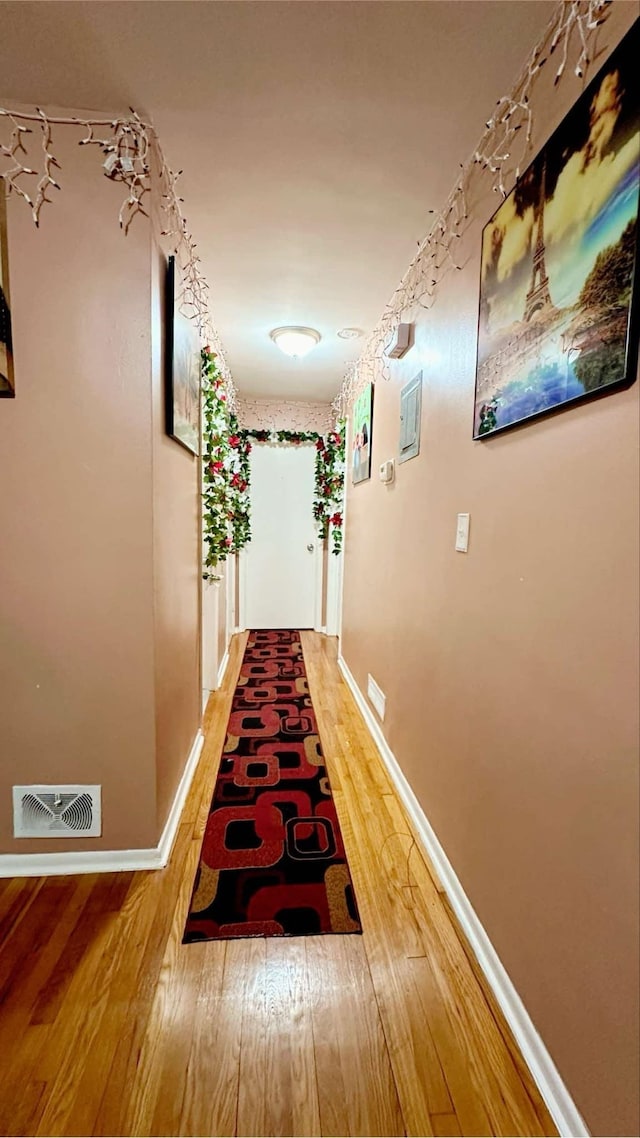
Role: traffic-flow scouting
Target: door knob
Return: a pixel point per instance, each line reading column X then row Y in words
column 310, row 547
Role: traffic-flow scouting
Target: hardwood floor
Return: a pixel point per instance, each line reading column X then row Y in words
column 110, row 1026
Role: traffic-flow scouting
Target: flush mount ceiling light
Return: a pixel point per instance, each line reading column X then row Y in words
column 295, row 341
column 349, row 333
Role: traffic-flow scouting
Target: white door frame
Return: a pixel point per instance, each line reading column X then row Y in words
column 242, row 578
column 230, row 582
column 318, row 558
column 335, row 563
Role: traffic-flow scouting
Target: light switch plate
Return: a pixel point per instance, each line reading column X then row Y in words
column 462, row 533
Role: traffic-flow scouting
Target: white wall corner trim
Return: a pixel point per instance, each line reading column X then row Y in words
column 561, row 1106
column 109, row 861
column 223, row 667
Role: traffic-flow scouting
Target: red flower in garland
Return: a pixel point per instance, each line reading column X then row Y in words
column 320, row 444
column 336, row 520
column 234, row 441
column 335, row 438
column 216, row 467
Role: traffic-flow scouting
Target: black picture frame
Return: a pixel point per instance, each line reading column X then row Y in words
column 7, row 377
column 558, row 315
column 362, row 435
column 182, row 369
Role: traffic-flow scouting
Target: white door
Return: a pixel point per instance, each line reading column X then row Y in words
column 278, row 578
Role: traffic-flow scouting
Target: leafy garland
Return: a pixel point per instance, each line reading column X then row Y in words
column 225, row 472
column 293, row 437
column 329, row 488
column 238, row 504
column 215, row 419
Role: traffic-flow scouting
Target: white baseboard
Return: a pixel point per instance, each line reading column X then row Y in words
column 205, row 699
column 165, row 845
column 223, row 667
column 109, row 861
column 561, row 1106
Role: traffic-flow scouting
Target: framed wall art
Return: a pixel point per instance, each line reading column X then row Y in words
column 361, row 436
column 7, row 386
column 559, row 269
column 182, row 371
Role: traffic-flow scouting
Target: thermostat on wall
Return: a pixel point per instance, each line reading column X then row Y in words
column 387, row 470
column 400, row 342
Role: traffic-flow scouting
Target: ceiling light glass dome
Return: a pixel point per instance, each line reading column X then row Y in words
column 295, row 341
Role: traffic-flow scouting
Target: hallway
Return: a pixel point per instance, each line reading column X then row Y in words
column 320, row 315
column 111, row 1026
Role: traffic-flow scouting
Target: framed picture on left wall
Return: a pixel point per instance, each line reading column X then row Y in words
column 7, row 386
column 182, row 370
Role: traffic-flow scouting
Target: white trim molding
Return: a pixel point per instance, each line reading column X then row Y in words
column 223, row 667
column 561, row 1106
column 109, row 861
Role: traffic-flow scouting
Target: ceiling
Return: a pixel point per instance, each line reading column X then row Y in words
column 314, row 136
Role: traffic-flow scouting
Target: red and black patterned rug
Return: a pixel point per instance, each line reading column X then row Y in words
column 272, row 860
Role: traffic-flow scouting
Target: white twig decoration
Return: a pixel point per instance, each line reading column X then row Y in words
column 502, row 151
column 126, row 144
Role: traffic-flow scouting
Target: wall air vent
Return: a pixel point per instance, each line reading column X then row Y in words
column 376, row 696
column 57, row 812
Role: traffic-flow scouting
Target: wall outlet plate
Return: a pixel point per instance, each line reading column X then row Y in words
column 462, row 533
column 387, row 470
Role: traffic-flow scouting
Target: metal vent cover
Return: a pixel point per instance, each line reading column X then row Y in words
column 57, row 811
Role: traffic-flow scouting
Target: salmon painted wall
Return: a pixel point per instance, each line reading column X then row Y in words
column 511, row 672
column 76, row 569
column 100, row 566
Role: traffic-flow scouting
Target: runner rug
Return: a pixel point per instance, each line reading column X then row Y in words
column 272, row 860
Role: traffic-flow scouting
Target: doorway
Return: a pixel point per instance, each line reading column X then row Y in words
column 281, row 567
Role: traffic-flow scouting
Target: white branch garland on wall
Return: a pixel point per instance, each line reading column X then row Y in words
column 276, row 415
column 127, row 144
column 502, row 150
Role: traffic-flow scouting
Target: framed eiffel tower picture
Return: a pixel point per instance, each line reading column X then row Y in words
column 559, row 276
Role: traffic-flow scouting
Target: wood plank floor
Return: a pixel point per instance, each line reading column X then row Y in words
column 110, row 1026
